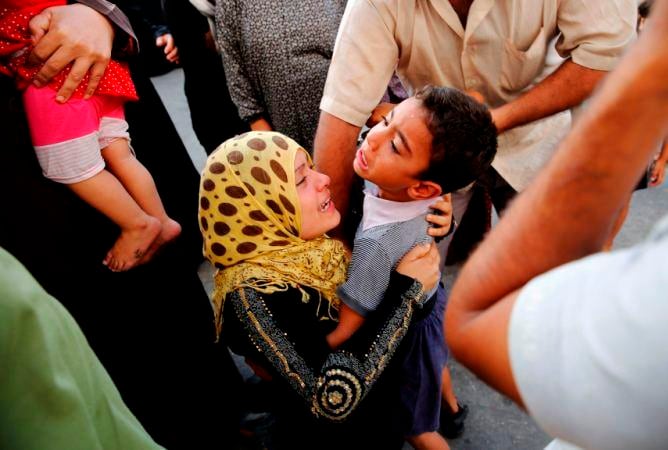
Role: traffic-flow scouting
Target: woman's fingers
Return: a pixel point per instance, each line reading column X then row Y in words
column 422, row 263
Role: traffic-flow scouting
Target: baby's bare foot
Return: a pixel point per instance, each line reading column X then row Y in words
column 132, row 245
column 170, row 231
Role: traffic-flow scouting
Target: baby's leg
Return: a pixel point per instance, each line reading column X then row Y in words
column 138, row 230
column 116, row 151
column 65, row 137
column 139, row 183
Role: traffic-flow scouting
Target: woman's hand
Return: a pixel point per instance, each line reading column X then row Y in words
column 64, row 34
column 422, row 263
column 441, row 222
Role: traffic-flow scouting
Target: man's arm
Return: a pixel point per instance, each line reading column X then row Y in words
column 364, row 58
column 566, row 87
column 594, row 38
column 333, row 154
column 568, row 210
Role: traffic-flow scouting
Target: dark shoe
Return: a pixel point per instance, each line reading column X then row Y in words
column 452, row 424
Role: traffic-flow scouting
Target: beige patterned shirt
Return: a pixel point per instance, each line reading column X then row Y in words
column 506, row 48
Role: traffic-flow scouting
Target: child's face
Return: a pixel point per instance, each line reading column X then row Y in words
column 319, row 215
column 396, row 151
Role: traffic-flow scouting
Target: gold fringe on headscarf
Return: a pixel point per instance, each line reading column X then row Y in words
column 250, row 218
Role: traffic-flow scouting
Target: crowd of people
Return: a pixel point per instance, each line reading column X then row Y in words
column 328, row 210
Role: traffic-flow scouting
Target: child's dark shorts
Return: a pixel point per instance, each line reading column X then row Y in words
column 424, row 359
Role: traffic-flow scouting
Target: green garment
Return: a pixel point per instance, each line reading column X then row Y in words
column 54, row 392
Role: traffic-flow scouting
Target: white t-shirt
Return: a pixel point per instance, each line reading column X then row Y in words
column 588, row 346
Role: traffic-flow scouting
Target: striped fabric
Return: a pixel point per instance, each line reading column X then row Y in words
column 79, row 159
column 71, row 161
column 376, row 253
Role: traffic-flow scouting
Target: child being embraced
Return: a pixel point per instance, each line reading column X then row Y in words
column 84, row 143
column 433, row 143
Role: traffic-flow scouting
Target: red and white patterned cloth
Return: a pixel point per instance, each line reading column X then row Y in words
column 16, row 43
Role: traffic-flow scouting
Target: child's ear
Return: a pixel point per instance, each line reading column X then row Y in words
column 423, row 190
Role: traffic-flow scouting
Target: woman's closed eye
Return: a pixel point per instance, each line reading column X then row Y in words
column 301, row 173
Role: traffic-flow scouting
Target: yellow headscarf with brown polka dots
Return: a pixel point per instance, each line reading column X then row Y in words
column 250, row 218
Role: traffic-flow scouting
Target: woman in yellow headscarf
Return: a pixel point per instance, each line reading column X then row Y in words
column 264, row 212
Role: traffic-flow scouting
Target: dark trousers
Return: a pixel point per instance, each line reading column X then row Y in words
column 500, row 192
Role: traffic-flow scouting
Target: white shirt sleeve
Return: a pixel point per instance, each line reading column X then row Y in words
column 364, row 58
column 596, row 33
column 588, row 347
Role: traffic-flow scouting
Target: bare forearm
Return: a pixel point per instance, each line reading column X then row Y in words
column 568, row 86
column 563, row 215
column 568, row 210
column 333, row 154
column 349, row 322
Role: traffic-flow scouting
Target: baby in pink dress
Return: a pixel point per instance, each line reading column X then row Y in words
column 84, row 142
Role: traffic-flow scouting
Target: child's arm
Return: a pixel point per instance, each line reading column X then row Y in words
column 367, row 283
column 364, row 289
column 349, row 322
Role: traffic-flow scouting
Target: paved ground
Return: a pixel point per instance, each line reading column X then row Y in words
column 494, row 422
